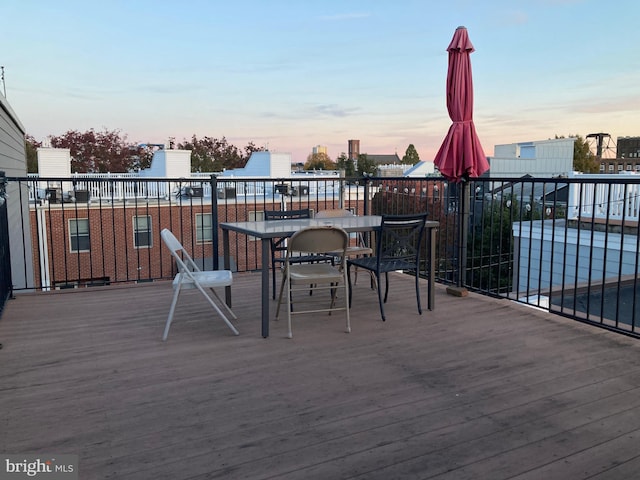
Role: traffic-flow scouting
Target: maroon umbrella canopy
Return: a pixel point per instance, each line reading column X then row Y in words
column 461, row 155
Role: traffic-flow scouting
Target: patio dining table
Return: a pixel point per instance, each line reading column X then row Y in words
column 268, row 229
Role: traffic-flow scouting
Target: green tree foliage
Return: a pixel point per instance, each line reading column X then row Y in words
column 490, row 259
column 319, row 161
column 343, row 163
column 366, row 166
column 102, row 152
column 411, row 156
column 583, row 159
column 31, row 146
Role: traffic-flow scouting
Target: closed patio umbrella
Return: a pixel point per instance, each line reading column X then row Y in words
column 461, row 155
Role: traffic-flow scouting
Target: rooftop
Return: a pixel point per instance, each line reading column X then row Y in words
column 479, row 388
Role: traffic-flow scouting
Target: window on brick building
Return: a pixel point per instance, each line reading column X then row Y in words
column 79, row 235
column 203, row 228
column 255, row 216
column 142, row 232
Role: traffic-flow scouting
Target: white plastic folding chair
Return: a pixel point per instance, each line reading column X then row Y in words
column 317, row 276
column 190, row 276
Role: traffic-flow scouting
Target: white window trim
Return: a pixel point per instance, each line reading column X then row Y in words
column 71, row 235
column 201, row 241
column 135, row 231
column 254, row 216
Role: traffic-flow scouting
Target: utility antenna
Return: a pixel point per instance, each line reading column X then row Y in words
column 4, row 87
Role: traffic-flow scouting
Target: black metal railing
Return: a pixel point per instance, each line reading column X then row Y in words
column 566, row 245
column 6, row 283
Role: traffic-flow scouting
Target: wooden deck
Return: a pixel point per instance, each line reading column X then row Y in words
column 480, row 388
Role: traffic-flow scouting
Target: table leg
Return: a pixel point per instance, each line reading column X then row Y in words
column 227, row 264
column 266, row 254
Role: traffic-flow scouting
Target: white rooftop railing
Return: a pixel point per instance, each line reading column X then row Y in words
column 129, row 186
column 596, row 199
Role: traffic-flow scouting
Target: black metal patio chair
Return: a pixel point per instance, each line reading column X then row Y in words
column 398, row 246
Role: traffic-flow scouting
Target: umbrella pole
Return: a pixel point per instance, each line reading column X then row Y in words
column 464, row 190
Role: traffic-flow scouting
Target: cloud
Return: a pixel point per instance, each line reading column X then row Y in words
column 332, row 110
column 310, row 112
column 610, row 105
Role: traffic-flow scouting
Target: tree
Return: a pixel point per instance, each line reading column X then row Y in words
column 31, row 146
column 210, row 154
column 319, row 161
column 490, row 261
column 366, row 166
column 411, row 156
column 346, row 164
column 102, row 152
column 583, row 159
column 250, row 148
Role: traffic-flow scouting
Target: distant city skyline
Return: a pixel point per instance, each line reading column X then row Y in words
column 290, row 75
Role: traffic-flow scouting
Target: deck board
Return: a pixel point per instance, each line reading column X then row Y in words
column 477, row 388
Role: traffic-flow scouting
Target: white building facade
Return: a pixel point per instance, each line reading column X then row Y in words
column 543, row 158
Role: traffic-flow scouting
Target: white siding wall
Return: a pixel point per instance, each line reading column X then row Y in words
column 546, row 158
column 280, row 165
column 264, row 164
column 54, row 162
column 14, row 163
column 169, row 164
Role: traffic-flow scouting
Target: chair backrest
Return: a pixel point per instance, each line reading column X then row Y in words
column 171, row 241
column 334, row 213
column 279, row 245
column 400, row 237
column 318, row 240
column 183, row 260
column 341, row 213
column 287, row 214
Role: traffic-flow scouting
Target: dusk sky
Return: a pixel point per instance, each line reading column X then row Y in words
column 292, row 74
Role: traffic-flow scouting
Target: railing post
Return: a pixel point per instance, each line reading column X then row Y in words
column 214, row 220
column 463, row 230
column 3, row 186
column 5, row 279
column 367, row 182
column 6, row 282
column 341, row 190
